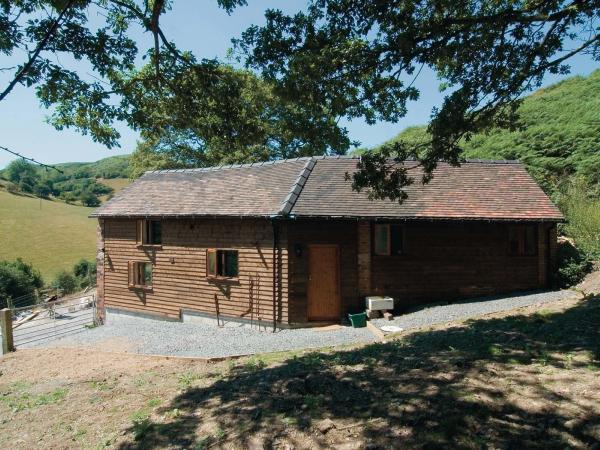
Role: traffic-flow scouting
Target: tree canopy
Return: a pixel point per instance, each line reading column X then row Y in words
column 194, row 110
column 557, row 135
column 360, row 58
column 225, row 116
column 336, row 59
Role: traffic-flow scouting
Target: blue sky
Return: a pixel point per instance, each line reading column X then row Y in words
column 207, row 31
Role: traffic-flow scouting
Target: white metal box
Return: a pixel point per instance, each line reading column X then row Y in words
column 379, row 303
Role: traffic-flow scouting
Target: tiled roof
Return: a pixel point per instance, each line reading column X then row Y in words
column 316, row 187
column 243, row 190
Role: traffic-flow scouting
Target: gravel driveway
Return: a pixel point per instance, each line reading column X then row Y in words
column 146, row 336
column 471, row 308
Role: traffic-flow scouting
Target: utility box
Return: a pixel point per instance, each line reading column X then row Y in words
column 379, row 303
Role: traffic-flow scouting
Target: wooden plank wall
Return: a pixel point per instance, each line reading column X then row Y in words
column 305, row 232
column 179, row 268
column 441, row 261
column 457, row 260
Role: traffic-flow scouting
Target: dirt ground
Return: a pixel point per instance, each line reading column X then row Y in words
column 528, row 378
column 591, row 283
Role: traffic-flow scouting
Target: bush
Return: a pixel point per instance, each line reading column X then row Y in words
column 573, row 265
column 42, row 190
column 85, row 273
column 26, row 186
column 66, row 282
column 582, row 211
column 89, row 199
column 18, row 279
column 67, row 197
column 21, row 171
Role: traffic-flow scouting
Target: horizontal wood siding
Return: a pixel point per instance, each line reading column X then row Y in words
column 457, row 260
column 179, row 268
column 304, row 232
column 441, row 261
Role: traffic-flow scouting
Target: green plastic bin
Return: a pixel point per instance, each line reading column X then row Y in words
column 358, row 320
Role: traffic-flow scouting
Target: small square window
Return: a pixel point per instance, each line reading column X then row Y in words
column 140, row 274
column 222, row 263
column 388, row 239
column 149, row 232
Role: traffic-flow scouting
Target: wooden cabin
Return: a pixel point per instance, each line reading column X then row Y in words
column 290, row 243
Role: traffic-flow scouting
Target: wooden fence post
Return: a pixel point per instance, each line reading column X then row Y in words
column 7, row 331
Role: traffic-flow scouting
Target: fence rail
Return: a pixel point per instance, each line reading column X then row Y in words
column 40, row 323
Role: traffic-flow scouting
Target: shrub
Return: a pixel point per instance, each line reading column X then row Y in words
column 42, row 190
column 85, row 273
column 582, row 211
column 26, row 186
column 66, row 282
column 573, row 265
column 18, row 279
column 68, row 197
column 89, row 199
column 21, row 171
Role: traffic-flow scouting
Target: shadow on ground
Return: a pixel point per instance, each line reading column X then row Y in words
column 501, row 383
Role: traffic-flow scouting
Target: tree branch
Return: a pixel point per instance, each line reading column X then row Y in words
column 154, row 27
column 36, row 52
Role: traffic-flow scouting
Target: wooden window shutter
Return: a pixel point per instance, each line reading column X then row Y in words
column 211, row 262
column 131, row 273
column 139, row 232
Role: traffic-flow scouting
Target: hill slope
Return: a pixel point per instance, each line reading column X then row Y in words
column 53, row 238
column 560, row 135
column 111, row 167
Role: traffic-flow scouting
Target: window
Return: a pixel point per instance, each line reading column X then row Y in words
column 522, row 240
column 149, row 232
column 140, row 274
column 222, row 263
column 388, row 239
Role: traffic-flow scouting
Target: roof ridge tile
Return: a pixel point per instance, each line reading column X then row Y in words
column 290, row 200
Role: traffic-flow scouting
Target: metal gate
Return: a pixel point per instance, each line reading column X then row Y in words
column 42, row 323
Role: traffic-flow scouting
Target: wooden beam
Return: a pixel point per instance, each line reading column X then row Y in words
column 364, row 258
column 7, row 331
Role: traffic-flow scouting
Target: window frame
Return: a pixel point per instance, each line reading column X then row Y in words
column 134, row 274
column 521, row 235
column 144, row 233
column 216, row 252
column 390, row 245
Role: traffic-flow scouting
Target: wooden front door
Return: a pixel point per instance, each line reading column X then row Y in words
column 323, row 283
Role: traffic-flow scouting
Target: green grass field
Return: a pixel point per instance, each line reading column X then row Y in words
column 116, row 183
column 52, row 237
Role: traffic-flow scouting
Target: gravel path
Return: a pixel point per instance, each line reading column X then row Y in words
column 470, row 308
column 146, row 336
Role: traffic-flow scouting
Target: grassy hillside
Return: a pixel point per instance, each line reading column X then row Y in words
column 116, row 184
column 52, row 237
column 58, row 235
column 74, row 183
column 111, row 167
column 560, row 134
